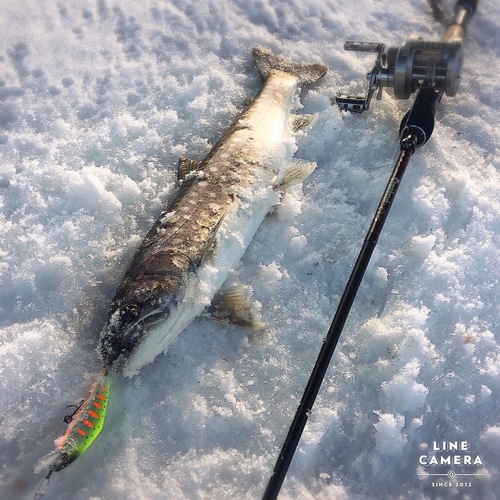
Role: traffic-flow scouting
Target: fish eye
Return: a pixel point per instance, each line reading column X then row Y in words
column 131, row 311
column 64, row 458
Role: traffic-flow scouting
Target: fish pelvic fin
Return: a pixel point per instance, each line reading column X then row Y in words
column 236, row 304
column 293, row 172
column 267, row 61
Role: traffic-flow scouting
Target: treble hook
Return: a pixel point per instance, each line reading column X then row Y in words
column 68, row 418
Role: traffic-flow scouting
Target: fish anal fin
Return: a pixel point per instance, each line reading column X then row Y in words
column 302, row 122
column 293, row 172
column 237, row 305
column 186, row 165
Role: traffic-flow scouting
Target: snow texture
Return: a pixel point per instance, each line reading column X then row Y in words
column 98, row 100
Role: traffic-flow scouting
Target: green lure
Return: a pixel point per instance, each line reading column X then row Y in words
column 85, row 424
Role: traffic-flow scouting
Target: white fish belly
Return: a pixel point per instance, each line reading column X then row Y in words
column 266, row 128
column 234, row 236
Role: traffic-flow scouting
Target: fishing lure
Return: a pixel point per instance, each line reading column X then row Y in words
column 84, row 425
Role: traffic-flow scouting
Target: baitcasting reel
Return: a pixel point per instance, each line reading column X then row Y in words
column 415, row 65
column 429, row 68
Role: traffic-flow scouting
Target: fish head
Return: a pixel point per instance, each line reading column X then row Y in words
column 137, row 308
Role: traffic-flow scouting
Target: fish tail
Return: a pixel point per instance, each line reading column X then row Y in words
column 267, row 61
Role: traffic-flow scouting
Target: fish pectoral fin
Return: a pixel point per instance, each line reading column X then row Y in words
column 237, row 305
column 210, row 249
column 302, row 122
column 186, row 165
column 293, row 172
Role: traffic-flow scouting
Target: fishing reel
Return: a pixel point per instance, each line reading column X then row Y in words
column 429, row 68
column 416, row 65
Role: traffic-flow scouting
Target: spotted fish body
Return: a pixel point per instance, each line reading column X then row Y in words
column 83, row 429
column 201, row 236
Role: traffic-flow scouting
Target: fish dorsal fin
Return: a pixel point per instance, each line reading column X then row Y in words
column 302, row 122
column 235, row 303
column 186, row 165
column 293, row 172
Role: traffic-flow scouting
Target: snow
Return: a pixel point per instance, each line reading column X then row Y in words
column 97, row 102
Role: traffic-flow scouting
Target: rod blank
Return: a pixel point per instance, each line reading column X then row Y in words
column 331, row 340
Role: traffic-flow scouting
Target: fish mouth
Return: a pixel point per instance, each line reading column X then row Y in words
column 135, row 311
column 118, row 342
column 116, row 346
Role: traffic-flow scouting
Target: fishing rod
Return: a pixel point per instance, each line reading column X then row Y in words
column 430, row 69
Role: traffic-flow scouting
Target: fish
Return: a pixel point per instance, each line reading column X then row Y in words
column 202, row 234
column 84, row 425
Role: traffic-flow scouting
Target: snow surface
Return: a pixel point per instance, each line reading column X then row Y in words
column 97, row 101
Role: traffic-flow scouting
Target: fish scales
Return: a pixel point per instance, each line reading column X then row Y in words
column 190, row 251
column 197, row 210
